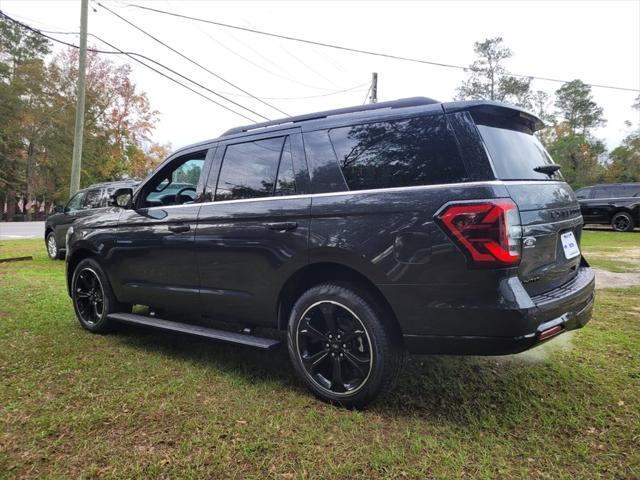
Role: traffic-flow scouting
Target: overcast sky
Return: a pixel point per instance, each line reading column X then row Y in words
column 597, row 42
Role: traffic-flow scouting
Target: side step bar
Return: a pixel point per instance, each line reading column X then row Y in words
column 212, row 333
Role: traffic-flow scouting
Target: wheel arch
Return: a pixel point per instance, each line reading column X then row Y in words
column 73, row 261
column 321, row 272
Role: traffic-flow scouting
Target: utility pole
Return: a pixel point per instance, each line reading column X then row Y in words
column 374, row 88
column 77, row 137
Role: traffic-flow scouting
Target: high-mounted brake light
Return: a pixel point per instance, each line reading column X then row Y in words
column 488, row 231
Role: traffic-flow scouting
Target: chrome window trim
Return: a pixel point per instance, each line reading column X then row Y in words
column 486, row 183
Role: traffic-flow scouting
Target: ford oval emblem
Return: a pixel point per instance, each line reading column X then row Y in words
column 529, row 242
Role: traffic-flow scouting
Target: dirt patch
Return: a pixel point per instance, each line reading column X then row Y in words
column 621, row 253
column 605, row 279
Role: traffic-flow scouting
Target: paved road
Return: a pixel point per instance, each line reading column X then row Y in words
column 16, row 230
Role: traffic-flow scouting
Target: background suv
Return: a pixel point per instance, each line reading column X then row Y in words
column 88, row 201
column 364, row 233
column 615, row 204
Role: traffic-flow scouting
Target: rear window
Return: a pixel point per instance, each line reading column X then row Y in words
column 417, row 151
column 515, row 154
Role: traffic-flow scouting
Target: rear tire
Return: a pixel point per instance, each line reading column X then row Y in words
column 622, row 222
column 52, row 247
column 93, row 299
column 343, row 345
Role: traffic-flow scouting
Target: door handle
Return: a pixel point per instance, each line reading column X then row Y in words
column 179, row 228
column 281, row 226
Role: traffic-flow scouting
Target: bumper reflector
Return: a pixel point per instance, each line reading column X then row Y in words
column 550, row 332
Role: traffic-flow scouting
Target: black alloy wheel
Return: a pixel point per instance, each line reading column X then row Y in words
column 334, row 348
column 345, row 345
column 622, row 222
column 88, row 295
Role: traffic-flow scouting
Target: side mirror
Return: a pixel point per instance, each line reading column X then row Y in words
column 122, row 198
column 58, row 209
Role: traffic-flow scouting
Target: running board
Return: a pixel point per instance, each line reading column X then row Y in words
column 212, row 333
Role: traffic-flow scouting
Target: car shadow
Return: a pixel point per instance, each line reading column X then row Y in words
column 455, row 389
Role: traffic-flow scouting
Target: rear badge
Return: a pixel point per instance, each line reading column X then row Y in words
column 529, row 242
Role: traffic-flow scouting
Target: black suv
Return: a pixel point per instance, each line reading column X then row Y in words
column 615, row 204
column 364, row 233
column 88, row 201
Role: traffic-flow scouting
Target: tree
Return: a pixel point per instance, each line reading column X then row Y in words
column 22, row 108
column 37, row 115
column 579, row 155
column 489, row 79
column 624, row 163
column 576, row 106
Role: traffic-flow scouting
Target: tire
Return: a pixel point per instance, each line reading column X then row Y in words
column 622, row 222
column 53, row 250
column 93, row 299
column 350, row 360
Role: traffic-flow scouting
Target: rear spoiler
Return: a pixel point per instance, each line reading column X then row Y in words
column 504, row 110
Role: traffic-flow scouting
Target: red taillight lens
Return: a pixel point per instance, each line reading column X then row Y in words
column 488, row 232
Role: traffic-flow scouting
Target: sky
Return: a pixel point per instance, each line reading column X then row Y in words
column 595, row 41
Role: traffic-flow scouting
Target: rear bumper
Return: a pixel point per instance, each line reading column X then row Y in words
column 532, row 321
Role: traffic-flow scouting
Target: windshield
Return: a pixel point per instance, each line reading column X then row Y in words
column 515, row 154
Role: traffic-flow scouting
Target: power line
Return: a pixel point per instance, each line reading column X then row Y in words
column 357, row 50
column 261, row 67
column 337, row 92
column 190, row 59
column 173, row 79
column 128, row 54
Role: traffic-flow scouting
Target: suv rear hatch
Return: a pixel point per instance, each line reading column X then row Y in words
column 549, row 212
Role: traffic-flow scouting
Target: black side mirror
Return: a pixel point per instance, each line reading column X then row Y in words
column 58, row 209
column 122, row 198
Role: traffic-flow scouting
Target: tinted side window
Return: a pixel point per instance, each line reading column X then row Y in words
column 417, row 151
column 583, row 193
column 630, row 191
column 92, row 199
column 249, row 169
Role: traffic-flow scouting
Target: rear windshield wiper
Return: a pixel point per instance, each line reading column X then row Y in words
column 547, row 169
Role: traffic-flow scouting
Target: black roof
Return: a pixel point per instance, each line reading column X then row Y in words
column 415, row 104
column 402, row 103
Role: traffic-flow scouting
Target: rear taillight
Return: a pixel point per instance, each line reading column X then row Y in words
column 487, row 231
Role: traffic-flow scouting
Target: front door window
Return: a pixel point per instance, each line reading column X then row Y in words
column 75, row 203
column 176, row 185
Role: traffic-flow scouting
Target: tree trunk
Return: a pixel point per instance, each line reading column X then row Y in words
column 11, row 204
column 31, row 178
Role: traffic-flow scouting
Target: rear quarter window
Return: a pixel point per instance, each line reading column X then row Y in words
column 416, row 151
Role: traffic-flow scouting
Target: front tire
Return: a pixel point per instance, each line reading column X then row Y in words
column 622, row 222
column 52, row 247
column 93, row 299
column 343, row 345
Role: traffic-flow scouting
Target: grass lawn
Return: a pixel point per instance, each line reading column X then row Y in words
column 143, row 404
column 613, row 251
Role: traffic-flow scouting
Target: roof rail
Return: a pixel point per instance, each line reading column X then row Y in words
column 402, row 103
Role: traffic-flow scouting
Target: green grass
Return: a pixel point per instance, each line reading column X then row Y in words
column 144, row 404
column 613, row 251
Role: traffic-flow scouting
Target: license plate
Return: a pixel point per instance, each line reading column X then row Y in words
column 570, row 245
